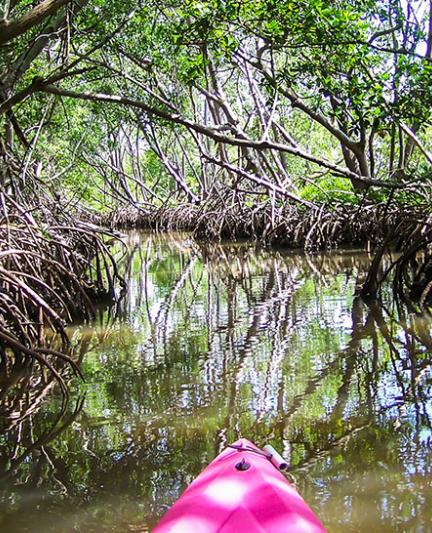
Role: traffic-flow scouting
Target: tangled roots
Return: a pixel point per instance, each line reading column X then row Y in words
column 52, row 268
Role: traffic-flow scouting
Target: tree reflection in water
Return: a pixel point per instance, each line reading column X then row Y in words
column 212, row 343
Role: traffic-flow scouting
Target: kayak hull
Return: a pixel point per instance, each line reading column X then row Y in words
column 239, row 491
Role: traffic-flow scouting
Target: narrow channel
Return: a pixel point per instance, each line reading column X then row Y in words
column 212, row 343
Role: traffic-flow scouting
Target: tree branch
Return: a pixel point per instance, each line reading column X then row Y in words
column 14, row 28
column 215, row 135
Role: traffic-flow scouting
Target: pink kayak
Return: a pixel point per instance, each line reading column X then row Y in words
column 241, row 490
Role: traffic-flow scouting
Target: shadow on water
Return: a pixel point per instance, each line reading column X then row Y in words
column 211, row 344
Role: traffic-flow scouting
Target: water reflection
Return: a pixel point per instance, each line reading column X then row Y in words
column 215, row 343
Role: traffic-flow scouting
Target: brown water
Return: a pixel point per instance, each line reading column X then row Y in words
column 212, row 344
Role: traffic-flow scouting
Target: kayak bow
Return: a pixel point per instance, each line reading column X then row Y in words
column 240, row 490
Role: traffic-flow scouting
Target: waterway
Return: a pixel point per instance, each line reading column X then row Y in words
column 210, row 344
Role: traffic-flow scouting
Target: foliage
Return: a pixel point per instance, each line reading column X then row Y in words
column 337, row 80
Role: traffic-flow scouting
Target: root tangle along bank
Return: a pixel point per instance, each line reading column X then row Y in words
column 53, row 268
column 379, row 227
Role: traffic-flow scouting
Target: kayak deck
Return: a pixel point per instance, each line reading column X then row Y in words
column 239, row 491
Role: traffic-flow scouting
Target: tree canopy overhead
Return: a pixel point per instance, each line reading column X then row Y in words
column 278, row 97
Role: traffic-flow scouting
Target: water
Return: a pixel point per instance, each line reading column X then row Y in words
column 212, row 344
